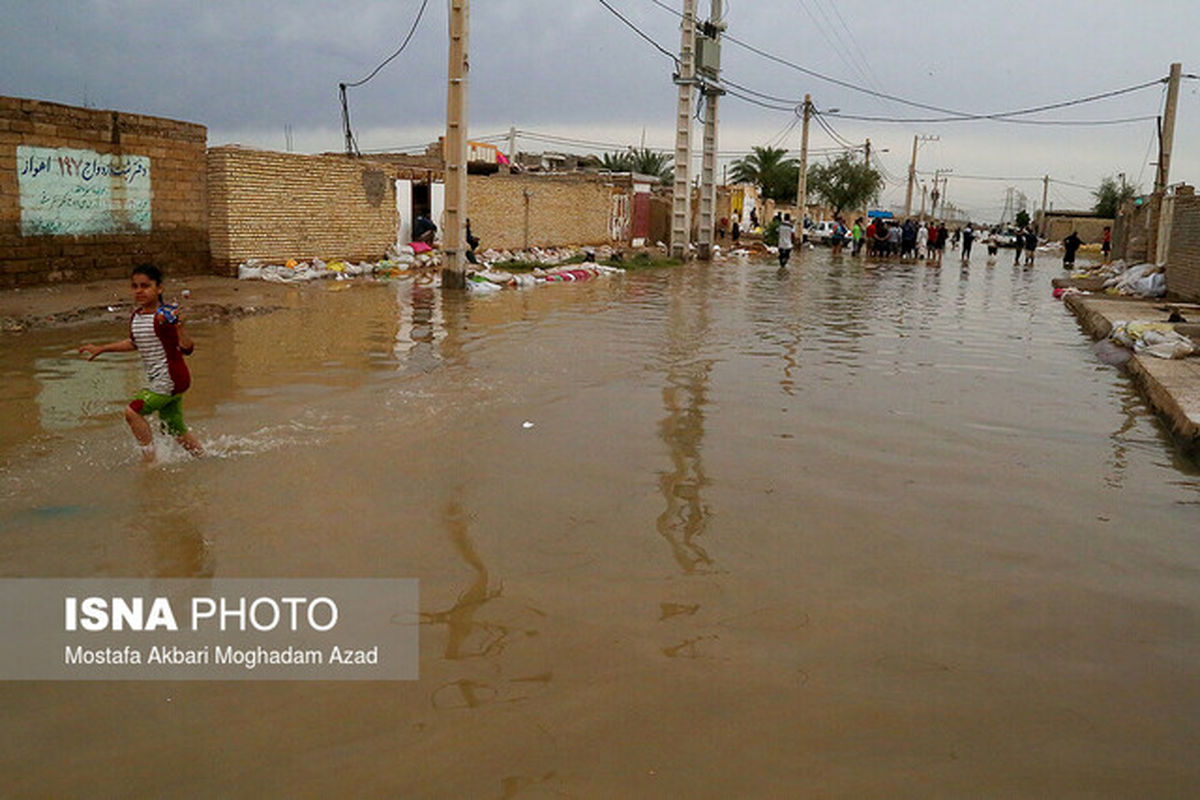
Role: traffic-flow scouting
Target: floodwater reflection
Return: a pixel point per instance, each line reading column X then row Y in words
column 717, row 531
column 684, row 520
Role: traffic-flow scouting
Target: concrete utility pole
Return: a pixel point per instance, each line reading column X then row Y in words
column 1162, row 177
column 681, row 204
column 1045, row 195
column 708, row 163
column 512, row 145
column 912, row 172
column 802, row 183
column 454, row 269
column 924, row 191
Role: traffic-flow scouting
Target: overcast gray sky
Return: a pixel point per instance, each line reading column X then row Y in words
column 570, row 68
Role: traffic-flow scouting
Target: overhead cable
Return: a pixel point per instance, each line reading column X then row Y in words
column 962, row 115
column 640, row 32
column 399, row 50
column 347, row 131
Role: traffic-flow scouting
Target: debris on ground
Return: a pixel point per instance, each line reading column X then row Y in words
column 526, row 268
column 1159, row 339
column 1118, row 278
column 494, row 279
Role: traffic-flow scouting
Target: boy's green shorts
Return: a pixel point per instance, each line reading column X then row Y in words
column 168, row 406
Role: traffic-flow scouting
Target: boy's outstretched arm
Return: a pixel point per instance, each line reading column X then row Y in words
column 93, row 350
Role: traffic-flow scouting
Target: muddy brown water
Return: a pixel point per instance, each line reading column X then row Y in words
column 838, row 531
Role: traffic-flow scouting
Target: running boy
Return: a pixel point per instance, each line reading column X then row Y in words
column 156, row 331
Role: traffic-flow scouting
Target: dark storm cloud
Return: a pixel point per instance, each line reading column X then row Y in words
column 247, row 69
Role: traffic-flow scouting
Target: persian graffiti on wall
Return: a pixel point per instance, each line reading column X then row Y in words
column 69, row 192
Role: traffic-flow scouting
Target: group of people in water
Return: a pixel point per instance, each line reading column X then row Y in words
column 919, row 240
column 925, row 241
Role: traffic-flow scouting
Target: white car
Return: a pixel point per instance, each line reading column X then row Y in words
column 821, row 232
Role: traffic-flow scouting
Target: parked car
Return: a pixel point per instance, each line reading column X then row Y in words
column 1007, row 238
column 820, row 232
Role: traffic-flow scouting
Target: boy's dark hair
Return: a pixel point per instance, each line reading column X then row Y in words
column 150, row 271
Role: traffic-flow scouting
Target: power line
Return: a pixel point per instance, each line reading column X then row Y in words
column 399, row 50
column 833, row 134
column 958, row 176
column 578, row 142
column 640, row 32
column 959, row 115
column 854, row 41
column 838, row 46
column 933, row 120
column 347, row 131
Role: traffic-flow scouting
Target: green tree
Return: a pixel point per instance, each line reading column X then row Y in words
column 1022, row 218
column 770, row 170
column 845, row 182
column 1111, row 195
column 641, row 160
column 648, row 162
column 615, row 162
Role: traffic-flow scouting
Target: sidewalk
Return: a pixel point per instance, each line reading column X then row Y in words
column 1171, row 386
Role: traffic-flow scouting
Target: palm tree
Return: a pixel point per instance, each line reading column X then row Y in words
column 649, row 162
column 615, row 162
column 770, row 170
column 641, row 160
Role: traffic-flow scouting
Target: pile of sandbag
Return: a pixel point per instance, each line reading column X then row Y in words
column 400, row 261
column 1158, row 339
column 489, row 280
column 546, row 256
column 1143, row 280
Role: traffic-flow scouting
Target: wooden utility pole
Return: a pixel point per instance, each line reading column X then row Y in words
column 454, row 269
column 912, row 173
column 912, row 177
column 681, row 202
column 1045, row 195
column 1162, row 176
column 867, row 160
column 802, row 183
column 708, row 162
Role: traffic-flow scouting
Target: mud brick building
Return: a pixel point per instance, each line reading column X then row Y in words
column 88, row 194
column 275, row 206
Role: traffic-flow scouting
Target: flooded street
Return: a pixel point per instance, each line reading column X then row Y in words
column 712, row 531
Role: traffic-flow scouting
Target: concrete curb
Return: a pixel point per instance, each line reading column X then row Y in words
column 1170, row 386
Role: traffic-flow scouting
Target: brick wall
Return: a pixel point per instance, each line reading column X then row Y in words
column 76, row 221
column 1090, row 229
column 276, row 206
column 1183, row 262
column 516, row 211
column 1134, row 233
